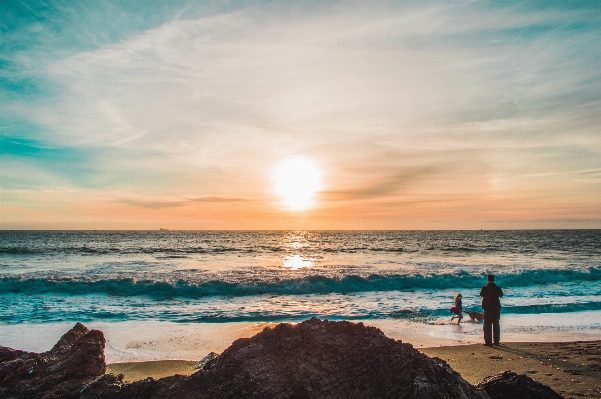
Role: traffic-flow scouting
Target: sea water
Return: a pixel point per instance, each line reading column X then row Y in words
column 194, row 277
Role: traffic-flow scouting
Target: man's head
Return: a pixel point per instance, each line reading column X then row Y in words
column 491, row 278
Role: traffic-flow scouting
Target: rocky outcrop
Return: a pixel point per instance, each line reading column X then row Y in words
column 313, row 359
column 200, row 365
column 75, row 361
column 509, row 385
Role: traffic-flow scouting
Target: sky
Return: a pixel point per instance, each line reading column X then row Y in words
column 416, row 114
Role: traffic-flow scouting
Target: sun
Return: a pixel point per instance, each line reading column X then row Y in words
column 296, row 182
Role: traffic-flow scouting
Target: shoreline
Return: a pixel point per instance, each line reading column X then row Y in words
column 136, row 341
column 554, row 351
column 572, row 369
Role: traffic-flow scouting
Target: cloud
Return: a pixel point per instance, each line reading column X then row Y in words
column 266, row 71
column 186, row 100
column 168, row 204
column 391, row 184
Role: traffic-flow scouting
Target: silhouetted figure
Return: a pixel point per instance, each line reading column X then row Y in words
column 490, row 294
column 457, row 309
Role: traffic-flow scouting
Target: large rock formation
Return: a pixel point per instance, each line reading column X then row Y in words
column 76, row 360
column 313, row 359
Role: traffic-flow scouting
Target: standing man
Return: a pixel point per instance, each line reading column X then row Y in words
column 490, row 294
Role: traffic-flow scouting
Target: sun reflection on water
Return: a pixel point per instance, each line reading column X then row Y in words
column 296, row 262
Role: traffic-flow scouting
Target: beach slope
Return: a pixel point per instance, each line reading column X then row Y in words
column 315, row 358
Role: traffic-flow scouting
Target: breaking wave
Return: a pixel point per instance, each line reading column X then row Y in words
column 199, row 285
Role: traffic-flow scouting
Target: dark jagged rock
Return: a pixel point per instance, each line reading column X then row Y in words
column 75, row 361
column 7, row 354
column 509, row 385
column 313, row 359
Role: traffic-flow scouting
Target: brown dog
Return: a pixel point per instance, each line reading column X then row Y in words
column 475, row 316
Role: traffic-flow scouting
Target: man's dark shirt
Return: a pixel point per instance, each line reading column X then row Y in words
column 490, row 294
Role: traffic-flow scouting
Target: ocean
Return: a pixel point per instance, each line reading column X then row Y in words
column 192, row 277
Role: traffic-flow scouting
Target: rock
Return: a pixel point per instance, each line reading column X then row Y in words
column 509, row 385
column 313, row 359
column 75, row 361
column 7, row 354
column 200, row 365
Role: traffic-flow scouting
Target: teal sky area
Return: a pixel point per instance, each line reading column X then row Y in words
column 416, row 114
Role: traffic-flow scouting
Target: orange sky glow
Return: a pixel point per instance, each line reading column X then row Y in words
column 414, row 116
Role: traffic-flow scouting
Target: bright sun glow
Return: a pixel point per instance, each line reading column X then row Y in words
column 296, row 181
column 296, row 262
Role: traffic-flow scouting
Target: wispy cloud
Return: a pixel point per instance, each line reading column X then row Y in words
column 187, row 201
column 387, row 185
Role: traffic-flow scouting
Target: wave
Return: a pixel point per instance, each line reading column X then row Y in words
column 115, row 251
column 552, row 308
column 175, row 313
column 566, row 243
column 84, row 250
column 538, row 308
column 198, row 285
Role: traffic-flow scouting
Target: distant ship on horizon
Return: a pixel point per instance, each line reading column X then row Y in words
column 162, row 229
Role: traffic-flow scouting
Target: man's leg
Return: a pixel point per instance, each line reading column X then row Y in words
column 487, row 327
column 497, row 328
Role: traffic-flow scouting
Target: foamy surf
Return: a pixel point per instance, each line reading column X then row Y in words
column 245, row 278
column 152, row 340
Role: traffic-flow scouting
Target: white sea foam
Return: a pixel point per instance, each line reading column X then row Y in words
column 152, row 340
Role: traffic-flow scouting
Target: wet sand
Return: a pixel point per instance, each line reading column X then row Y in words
column 572, row 369
column 136, row 371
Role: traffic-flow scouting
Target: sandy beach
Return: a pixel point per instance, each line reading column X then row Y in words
column 549, row 350
column 572, row 369
column 568, row 361
column 136, row 371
